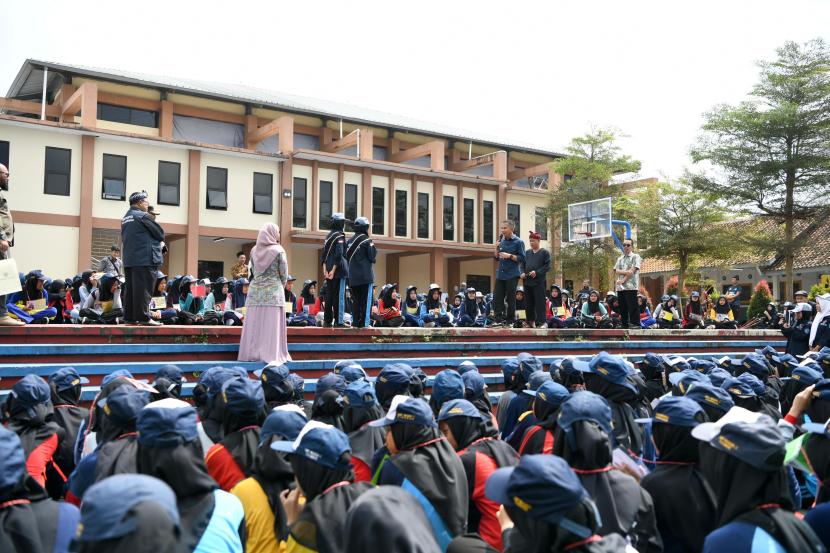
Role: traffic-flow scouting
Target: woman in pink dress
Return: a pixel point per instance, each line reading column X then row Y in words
column 263, row 334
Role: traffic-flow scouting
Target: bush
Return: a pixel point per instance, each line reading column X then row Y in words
column 817, row 290
column 759, row 300
column 671, row 285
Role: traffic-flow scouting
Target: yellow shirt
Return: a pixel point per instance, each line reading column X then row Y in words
column 259, row 518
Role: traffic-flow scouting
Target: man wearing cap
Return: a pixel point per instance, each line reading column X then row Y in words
column 534, row 270
column 143, row 241
column 510, row 252
column 335, row 271
column 627, row 270
column 6, row 240
column 361, row 255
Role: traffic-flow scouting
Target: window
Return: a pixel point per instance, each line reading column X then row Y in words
column 115, row 178
column 541, row 222
column 378, row 199
column 324, row 215
column 449, row 218
column 56, row 176
column 299, row 202
column 423, row 215
column 514, row 213
column 129, row 116
column 169, row 178
column 350, row 201
column 217, row 188
column 263, row 193
column 469, row 218
column 488, row 223
column 400, row 213
column 4, row 153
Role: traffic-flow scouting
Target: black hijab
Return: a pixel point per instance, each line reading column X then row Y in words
column 555, row 301
column 218, row 295
column 470, row 307
column 274, row 474
column 328, row 408
column 722, row 309
column 409, row 302
column 431, row 302
column 19, row 529
column 817, row 450
column 241, row 437
column 305, row 293
column 365, row 440
column 627, row 433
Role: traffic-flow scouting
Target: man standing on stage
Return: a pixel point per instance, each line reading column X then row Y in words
column 510, row 251
column 535, row 269
column 6, row 241
column 335, row 271
column 627, row 270
column 143, row 243
column 361, row 255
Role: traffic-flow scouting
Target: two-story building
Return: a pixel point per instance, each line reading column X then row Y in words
column 220, row 160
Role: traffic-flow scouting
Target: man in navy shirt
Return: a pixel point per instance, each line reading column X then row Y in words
column 733, row 296
column 510, row 251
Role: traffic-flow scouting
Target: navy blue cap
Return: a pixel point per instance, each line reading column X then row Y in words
column 66, row 378
column 407, row 410
column 757, row 386
column 806, row 375
column 529, row 364
column 167, row 423
column 353, row 372
column 13, row 468
column 738, row 388
column 822, row 389
column 105, row 512
column 585, row 406
column 509, row 367
column 718, row 376
column 120, row 373
column 712, row 396
column 136, row 197
column 543, row 486
column 341, row 364
column 396, row 375
column 30, row 391
column 338, row 217
column 448, row 384
column 785, row 360
column 284, row 423
column 572, row 365
column 676, row 410
column 677, row 363
column 612, row 368
column 767, row 351
column 298, row 383
column 474, row 384
column 823, row 359
column 273, row 374
column 702, row 365
column 551, row 393
column 653, row 361
column 243, row 396
column 684, row 379
column 124, row 403
column 466, row 366
column 753, row 438
column 330, row 381
column 171, row 373
column 360, row 393
column 756, row 364
column 459, row 408
column 537, row 379
column 319, row 442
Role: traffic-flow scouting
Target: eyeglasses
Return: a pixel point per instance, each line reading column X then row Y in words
column 626, row 245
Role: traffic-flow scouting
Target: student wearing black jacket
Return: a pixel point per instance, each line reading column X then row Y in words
column 534, row 270
column 361, row 254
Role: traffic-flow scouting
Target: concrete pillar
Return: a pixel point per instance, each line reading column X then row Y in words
column 191, row 248
column 437, row 271
column 85, row 219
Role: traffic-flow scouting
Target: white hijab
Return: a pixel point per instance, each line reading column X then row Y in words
column 823, row 303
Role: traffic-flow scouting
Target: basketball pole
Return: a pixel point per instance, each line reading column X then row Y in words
column 627, row 226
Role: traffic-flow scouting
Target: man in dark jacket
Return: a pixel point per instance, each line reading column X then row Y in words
column 6, row 241
column 534, row 271
column 510, row 252
column 361, row 254
column 143, row 241
column 335, row 271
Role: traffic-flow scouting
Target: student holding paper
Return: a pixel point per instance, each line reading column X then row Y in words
column 6, row 240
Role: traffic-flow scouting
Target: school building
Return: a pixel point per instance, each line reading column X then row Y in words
column 220, row 160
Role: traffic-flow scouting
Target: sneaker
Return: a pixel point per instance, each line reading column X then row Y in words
column 429, row 325
column 151, row 322
column 6, row 320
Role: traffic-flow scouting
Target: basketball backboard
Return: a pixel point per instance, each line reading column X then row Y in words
column 591, row 219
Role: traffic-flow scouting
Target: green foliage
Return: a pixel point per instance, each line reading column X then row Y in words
column 817, row 290
column 759, row 300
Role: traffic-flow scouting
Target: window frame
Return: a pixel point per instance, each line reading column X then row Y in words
column 6, row 160
column 47, row 172
column 130, row 112
column 378, row 223
column 295, row 199
column 270, row 193
column 208, row 188
column 401, row 216
column 540, row 224
column 422, row 216
column 444, row 227
column 178, row 183
column 346, row 188
column 488, row 229
column 104, row 178
column 472, row 226
column 516, row 224
column 322, row 222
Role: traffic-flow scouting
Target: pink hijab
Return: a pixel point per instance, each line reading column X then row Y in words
column 267, row 247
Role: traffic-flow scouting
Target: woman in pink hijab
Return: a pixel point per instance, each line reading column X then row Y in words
column 263, row 334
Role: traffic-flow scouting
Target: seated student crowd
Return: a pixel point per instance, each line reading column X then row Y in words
column 674, row 455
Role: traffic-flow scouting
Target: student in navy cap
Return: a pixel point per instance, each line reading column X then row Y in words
column 205, row 396
column 129, row 512
column 361, row 254
column 758, row 366
column 335, row 270
column 168, row 382
column 766, row 399
column 423, row 462
column 319, row 457
column 265, row 520
column 784, row 363
column 475, row 391
column 29, row 520
column 520, row 403
column 683, row 380
column 448, row 384
column 742, row 458
column 801, row 378
column 564, row 372
column 388, row 517
column 512, row 386
column 117, row 447
column 683, row 502
column 169, row 449
column 353, row 372
column 583, row 438
column 417, row 382
column 29, row 413
column 717, row 376
column 546, row 401
column 466, row 366
column 393, row 380
column 654, row 374
column 550, row 509
column 714, row 401
column 299, row 392
column 276, row 385
column 797, row 330
column 360, row 407
column 231, row 460
column 465, row 429
column 65, row 388
column 327, row 406
column 527, row 418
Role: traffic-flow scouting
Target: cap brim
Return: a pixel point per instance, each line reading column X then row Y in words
column 707, row 431
column 283, row 446
column 676, row 377
column 530, row 392
column 581, row 366
column 644, row 421
column 495, row 489
column 83, row 379
column 378, row 423
column 814, row 428
column 258, row 372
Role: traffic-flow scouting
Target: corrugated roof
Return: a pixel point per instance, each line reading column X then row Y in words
column 277, row 100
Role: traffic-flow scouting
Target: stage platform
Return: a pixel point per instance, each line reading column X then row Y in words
column 96, row 350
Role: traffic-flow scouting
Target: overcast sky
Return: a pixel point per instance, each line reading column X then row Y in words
column 535, row 72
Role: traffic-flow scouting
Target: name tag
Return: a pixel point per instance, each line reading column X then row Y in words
column 411, row 310
column 159, row 302
column 521, row 314
column 289, row 307
column 36, row 305
column 560, row 311
column 667, row 316
column 722, row 317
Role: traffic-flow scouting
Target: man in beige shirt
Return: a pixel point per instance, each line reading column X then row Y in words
column 6, row 241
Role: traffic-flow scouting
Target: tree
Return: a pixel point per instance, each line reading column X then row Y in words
column 772, row 152
column 677, row 222
column 759, row 300
column 592, row 160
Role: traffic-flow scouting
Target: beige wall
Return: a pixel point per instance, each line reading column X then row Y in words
column 27, row 160
column 239, row 214
column 414, row 270
column 176, row 259
column 52, row 249
column 302, row 264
